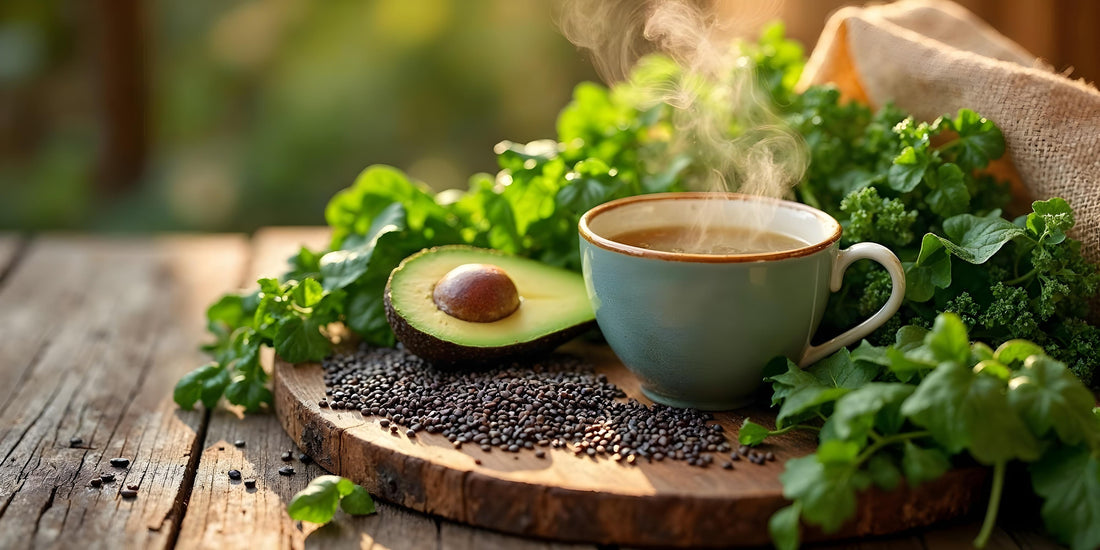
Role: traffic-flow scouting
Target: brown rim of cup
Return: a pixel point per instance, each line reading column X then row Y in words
column 621, row 248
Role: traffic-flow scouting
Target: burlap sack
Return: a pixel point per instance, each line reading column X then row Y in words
column 934, row 57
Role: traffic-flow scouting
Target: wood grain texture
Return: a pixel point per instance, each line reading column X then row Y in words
column 223, row 514
column 566, row 498
column 96, row 332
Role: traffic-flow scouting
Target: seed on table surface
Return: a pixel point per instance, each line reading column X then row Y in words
column 743, row 450
column 735, row 457
column 107, row 478
column 96, row 482
column 128, row 493
column 557, row 401
column 323, row 404
column 477, row 461
column 120, row 462
column 770, row 456
column 304, row 458
column 234, row 474
column 287, row 456
column 75, row 441
column 238, row 443
column 286, row 471
column 132, row 487
column 250, row 483
column 727, row 465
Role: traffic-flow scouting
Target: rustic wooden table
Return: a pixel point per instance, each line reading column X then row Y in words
column 94, row 333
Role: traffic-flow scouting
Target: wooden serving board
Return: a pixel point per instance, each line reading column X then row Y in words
column 571, row 498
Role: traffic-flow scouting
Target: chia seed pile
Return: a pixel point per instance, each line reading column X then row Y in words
column 556, row 402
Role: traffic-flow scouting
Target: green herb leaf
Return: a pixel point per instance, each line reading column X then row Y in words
column 976, row 239
column 195, row 384
column 318, row 501
column 979, row 141
column 921, row 464
column 827, row 492
column 1068, row 480
column 1048, row 396
column 908, row 170
column 752, row 433
column 784, row 527
column 248, row 391
column 948, row 340
column 358, row 502
column 950, row 196
column 963, row 410
column 858, row 412
column 299, row 339
column 884, row 472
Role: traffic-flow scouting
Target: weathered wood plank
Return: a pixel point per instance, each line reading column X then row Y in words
column 453, row 536
column 96, row 333
column 222, row 513
column 10, row 245
column 392, row 528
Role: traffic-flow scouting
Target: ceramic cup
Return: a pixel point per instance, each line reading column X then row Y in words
column 698, row 329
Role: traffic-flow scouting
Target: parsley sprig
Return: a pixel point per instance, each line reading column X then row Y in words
column 905, row 413
column 317, row 503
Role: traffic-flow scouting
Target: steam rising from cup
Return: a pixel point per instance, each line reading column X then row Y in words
column 720, row 114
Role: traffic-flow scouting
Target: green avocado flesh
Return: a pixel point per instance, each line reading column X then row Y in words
column 553, row 308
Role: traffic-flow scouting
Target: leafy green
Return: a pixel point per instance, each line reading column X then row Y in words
column 318, row 501
column 1068, row 480
column 955, row 397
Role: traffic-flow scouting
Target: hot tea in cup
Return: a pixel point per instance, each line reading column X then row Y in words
column 696, row 292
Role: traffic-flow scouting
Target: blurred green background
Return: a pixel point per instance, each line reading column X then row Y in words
column 256, row 112
column 138, row 115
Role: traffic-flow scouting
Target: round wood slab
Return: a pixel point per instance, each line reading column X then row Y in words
column 569, row 498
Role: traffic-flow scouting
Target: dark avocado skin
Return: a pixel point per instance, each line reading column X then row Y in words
column 444, row 353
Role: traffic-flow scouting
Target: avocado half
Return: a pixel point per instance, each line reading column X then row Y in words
column 553, row 308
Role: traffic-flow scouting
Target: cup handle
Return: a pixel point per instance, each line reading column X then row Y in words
column 860, row 251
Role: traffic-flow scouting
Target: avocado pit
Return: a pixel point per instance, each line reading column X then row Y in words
column 478, row 293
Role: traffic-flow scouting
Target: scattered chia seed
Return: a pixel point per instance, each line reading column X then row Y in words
column 770, row 456
column 107, row 478
column 96, row 482
column 250, row 483
column 727, row 465
column 234, row 474
column 238, row 443
column 120, row 462
column 132, row 487
column 75, row 441
column 128, row 493
column 286, row 471
column 287, row 456
column 557, row 402
column 304, row 458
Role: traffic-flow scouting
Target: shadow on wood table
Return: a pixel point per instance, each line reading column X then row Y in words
column 97, row 330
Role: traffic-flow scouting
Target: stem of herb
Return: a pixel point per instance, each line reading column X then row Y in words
column 884, row 441
column 794, row 427
column 1022, row 278
column 994, row 505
